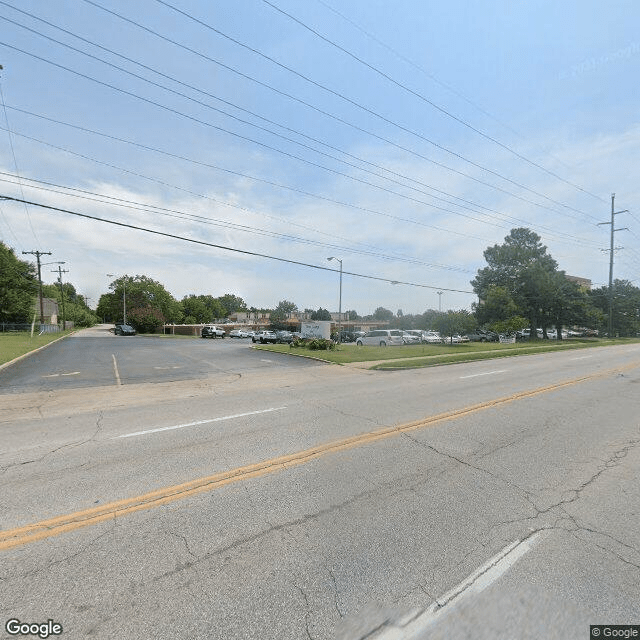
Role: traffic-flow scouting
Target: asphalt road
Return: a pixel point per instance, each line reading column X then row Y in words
column 258, row 496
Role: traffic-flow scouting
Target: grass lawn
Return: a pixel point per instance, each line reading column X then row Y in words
column 17, row 344
column 410, row 356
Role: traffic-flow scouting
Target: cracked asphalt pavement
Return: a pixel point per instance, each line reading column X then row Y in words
column 516, row 519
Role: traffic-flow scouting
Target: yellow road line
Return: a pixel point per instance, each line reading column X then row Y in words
column 69, row 522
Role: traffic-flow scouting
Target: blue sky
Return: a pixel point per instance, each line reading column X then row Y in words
column 492, row 115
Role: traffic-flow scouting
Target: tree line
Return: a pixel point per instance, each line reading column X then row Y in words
column 521, row 286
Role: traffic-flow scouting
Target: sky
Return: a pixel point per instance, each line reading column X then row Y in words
column 403, row 138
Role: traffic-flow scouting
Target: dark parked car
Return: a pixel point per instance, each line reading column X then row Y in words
column 483, row 335
column 124, row 330
column 284, row 336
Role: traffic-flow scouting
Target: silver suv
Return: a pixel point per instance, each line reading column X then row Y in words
column 381, row 338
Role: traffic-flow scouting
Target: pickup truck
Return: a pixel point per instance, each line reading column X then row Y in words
column 212, row 332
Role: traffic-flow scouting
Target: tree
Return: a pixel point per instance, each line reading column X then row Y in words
column 231, row 303
column 141, row 292
column 525, row 271
column 321, row 314
column 75, row 306
column 282, row 312
column 18, row 287
column 383, row 314
column 351, row 315
column 201, row 309
column 626, row 308
column 453, row 322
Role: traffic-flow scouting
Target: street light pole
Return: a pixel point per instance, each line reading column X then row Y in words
column 340, row 301
column 440, row 300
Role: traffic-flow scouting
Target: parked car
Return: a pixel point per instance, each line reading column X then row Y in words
column 381, row 338
column 265, row 336
column 432, row 337
column 212, row 331
column 411, row 337
column 483, row 335
column 284, row 337
column 239, row 333
column 347, row 336
column 124, row 330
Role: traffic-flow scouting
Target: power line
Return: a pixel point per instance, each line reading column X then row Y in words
column 286, row 138
column 343, row 97
column 182, row 215
column 15, row 164
column 553, row 232
column 317, row 141
column 422, row 97
column 182, row 189
column 232, row 249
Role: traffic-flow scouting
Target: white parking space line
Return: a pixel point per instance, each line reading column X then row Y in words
column 486, row 373
column 582, row 358
column 199, row 422
column 57, row 375
column 165, row 368
column 115, row 370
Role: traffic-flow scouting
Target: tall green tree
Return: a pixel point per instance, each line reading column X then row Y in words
column 524, row 270
column 141, row 293
column 321, row 314
column 455, row 322
column 18, row 287
column 199, row 309
column 232, row 303
column 626, row 307
column 383, row 314
column 280, row 314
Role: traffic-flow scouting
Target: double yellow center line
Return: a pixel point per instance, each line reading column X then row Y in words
column 112, row 510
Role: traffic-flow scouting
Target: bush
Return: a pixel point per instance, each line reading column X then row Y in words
column 314, row 344
column 146, row 319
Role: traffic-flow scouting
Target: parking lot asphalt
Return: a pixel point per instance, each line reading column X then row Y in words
column 95, row 358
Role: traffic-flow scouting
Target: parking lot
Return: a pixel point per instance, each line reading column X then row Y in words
column 96, row 357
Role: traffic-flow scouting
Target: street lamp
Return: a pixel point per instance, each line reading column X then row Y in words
column 124, row 297
column 440, row 300
column 340, row 303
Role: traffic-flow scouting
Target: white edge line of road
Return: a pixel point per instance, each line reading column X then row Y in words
column 486, row 373
column 199, row 422
column 479, row 580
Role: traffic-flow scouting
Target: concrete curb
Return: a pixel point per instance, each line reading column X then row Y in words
column 298, row 355
column 26, row 355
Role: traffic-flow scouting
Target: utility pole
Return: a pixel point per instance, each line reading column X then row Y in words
column 60, row 271
column 37, row 254
column 611, row 250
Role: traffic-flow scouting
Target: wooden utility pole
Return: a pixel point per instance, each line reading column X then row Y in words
column 37, row 254
column 60, row 271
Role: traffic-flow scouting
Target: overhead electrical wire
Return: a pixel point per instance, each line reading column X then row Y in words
column 500, row 216
column 192, row 217
column 395, row 124
column 418, row 95
column 240, row 108
column 15, row 164
column 248, row 139
column 231, row 249
column 568, row 237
